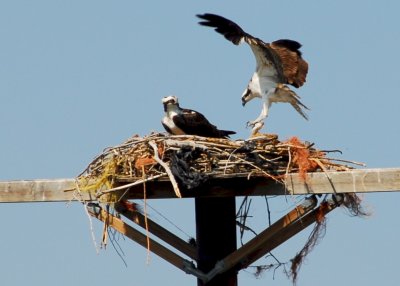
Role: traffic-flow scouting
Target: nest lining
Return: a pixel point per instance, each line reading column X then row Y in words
column 188, row 161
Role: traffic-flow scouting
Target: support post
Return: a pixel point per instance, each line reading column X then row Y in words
column 215, row 237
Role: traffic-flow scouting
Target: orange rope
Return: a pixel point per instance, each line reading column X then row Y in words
column 145, row 216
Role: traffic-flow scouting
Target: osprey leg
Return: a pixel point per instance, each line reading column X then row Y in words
column 263, row 114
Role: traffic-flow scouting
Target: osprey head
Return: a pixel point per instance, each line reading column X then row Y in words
column 247, row 96
column 169, row 100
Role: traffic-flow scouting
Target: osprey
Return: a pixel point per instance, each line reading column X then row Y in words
column 278, row 63
column 180, row 121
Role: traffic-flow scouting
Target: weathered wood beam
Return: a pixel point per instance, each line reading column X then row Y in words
column 282, row 230
column 157, row 230
column 354, row 181
column 158, row 249
column 53, row 190
column 287, row 232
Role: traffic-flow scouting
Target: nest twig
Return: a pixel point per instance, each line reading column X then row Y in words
column 156, row 153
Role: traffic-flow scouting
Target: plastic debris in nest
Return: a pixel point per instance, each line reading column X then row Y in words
column 189, row 161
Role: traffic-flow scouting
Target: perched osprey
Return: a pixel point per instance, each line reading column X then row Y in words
column 180, row 121
column 278, row 63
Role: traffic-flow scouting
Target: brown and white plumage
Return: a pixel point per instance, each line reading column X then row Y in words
column 278, row 63
column 182, row 121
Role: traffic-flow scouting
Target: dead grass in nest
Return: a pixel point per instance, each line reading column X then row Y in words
column 187, row 161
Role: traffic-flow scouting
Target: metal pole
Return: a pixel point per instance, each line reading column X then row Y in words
column 215, row 237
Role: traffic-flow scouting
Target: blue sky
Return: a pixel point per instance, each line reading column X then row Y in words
column 78, row 76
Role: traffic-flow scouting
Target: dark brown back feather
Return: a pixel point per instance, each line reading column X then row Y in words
column 289, row 44
column 295, row 68
column 194, row 123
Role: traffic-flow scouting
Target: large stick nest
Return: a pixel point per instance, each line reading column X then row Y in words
column 188, row 161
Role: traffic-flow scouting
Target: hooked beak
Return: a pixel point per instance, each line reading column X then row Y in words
column 246, row 93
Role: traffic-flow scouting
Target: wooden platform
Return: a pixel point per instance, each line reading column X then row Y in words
column 213, row 261
column 357, row 181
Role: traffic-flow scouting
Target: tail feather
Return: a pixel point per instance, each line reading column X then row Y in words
column 285, row 94
column 297, row 105
column 226, row 133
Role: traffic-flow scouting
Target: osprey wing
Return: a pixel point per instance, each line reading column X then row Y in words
column 268, row 62
column 280, row 60
column 294, row 67
column 194, row 123
column 230, row 30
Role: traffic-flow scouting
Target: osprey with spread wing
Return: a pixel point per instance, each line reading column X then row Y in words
column 278, row 63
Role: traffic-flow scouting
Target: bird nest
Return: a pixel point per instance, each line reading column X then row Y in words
column 189, row 161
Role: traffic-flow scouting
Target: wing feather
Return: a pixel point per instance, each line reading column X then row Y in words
column 282, row 56
column 230, row 30
column 167, row 128
column 295, row 68
column 235, row 34
column 194, row 123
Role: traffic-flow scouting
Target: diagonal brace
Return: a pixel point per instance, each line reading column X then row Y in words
column 279, row 232
column 127, row 209
column 160, row 250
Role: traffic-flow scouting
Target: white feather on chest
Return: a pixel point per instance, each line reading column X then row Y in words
column 167, row 120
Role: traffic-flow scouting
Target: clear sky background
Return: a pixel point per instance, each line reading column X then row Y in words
column 78, row 76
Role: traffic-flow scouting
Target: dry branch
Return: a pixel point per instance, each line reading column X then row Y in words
column 188, row 161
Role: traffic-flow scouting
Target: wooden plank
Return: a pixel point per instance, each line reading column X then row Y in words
column 282, row 230
column 158, row 249
column 158, row 231
column 358, row 181
column 54, row 190
column 286, row 233
column 355, row 181
column 254, row 247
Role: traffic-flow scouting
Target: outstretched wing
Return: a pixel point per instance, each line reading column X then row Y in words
column 230, row 30
column 294, row 67
column 265, row 57
column 194, row 123
column 280, row 59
